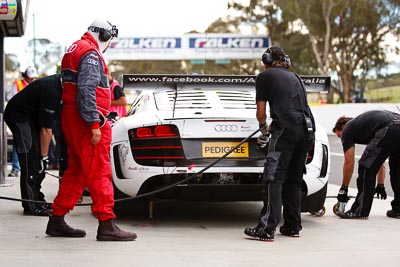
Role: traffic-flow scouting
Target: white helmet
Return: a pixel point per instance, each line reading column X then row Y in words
column 102, row 31
column 31, row 72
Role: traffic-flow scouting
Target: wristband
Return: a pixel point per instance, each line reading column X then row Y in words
column 95, row 125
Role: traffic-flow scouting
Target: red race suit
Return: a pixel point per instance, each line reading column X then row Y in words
column 86, row 99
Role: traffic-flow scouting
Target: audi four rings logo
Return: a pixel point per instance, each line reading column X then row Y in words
column 226, row 128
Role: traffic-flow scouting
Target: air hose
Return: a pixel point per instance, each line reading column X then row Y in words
column 152, row 192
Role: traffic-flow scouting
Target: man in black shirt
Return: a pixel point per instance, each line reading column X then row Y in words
column 30, row 115
column 287, row 150
column 380, row 131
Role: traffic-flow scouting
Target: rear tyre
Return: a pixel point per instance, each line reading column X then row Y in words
column 319, row 213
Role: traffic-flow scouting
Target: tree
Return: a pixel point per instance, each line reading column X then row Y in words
column 265, row 15
column 342, row 35
column 11, row 62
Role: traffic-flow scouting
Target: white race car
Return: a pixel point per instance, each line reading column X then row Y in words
column 179, row 127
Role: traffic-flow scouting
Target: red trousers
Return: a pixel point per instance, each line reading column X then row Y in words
column 88, row 166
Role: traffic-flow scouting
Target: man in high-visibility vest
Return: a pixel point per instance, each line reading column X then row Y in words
column 28, row 76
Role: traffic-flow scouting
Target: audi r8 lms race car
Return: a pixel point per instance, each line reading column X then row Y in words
column 179, row 130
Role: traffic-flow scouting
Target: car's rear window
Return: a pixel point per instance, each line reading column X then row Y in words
column 204, row 99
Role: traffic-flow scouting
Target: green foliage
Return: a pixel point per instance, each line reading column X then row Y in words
column 386, row 94
column 326, row 36
column 384, row 81
column 11, row 63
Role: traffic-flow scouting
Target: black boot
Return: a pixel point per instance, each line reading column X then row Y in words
column 58, row 227
column 109, row 231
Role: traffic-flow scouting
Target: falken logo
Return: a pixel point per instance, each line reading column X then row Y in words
column 232, row 42
column 146, row 43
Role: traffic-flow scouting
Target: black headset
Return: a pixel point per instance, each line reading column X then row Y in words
column 104, row 34
column 267, row 58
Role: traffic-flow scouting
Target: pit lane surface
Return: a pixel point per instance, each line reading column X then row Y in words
column 201, row 234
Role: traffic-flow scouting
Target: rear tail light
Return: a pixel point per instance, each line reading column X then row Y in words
column 156, row 145
column 157, row 131
column 144, row 132
column 164, row 131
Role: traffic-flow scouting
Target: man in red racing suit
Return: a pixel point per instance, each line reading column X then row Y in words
column 86, row 101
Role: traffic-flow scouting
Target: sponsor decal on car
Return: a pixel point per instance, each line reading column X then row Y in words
column 246, row 129
column 218, row 149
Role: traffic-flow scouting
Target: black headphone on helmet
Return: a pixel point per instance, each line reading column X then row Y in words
column 268, row 59
column 104, row 34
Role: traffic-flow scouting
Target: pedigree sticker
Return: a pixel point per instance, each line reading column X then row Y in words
column 218, row 149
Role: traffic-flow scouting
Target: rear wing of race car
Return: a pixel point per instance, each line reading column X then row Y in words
column 153, row 81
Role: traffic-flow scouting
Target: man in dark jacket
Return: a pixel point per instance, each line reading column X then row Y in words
column 380, row 131
column 292, row 130
column 30, row 115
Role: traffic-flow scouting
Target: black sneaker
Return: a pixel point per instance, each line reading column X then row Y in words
column 37, row 212
column 393, row 214
column 287, row 232
column 263, row 235
column 13, row 173
column 351, row 215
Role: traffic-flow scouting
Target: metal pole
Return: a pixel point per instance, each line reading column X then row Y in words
column 34, row 41
column 3, row 139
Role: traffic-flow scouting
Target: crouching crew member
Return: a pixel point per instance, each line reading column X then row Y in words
column 380, row 131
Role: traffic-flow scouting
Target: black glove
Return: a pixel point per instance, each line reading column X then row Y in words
column 262, row 141
column 102, row 120
column 44, row 162
column 380, row 191
column 342, row 195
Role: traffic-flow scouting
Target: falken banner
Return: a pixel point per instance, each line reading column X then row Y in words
column 212, row 46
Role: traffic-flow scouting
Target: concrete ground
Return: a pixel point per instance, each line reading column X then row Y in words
column 198, row 234
column 201, row 234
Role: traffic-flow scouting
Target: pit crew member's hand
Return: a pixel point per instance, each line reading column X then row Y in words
column 44, row 162
column 342, row 195
column 262, row 141
column 264, row 128
column 96, row 135
column 380, row 191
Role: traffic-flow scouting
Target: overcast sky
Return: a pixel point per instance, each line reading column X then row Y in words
column 64, row 21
